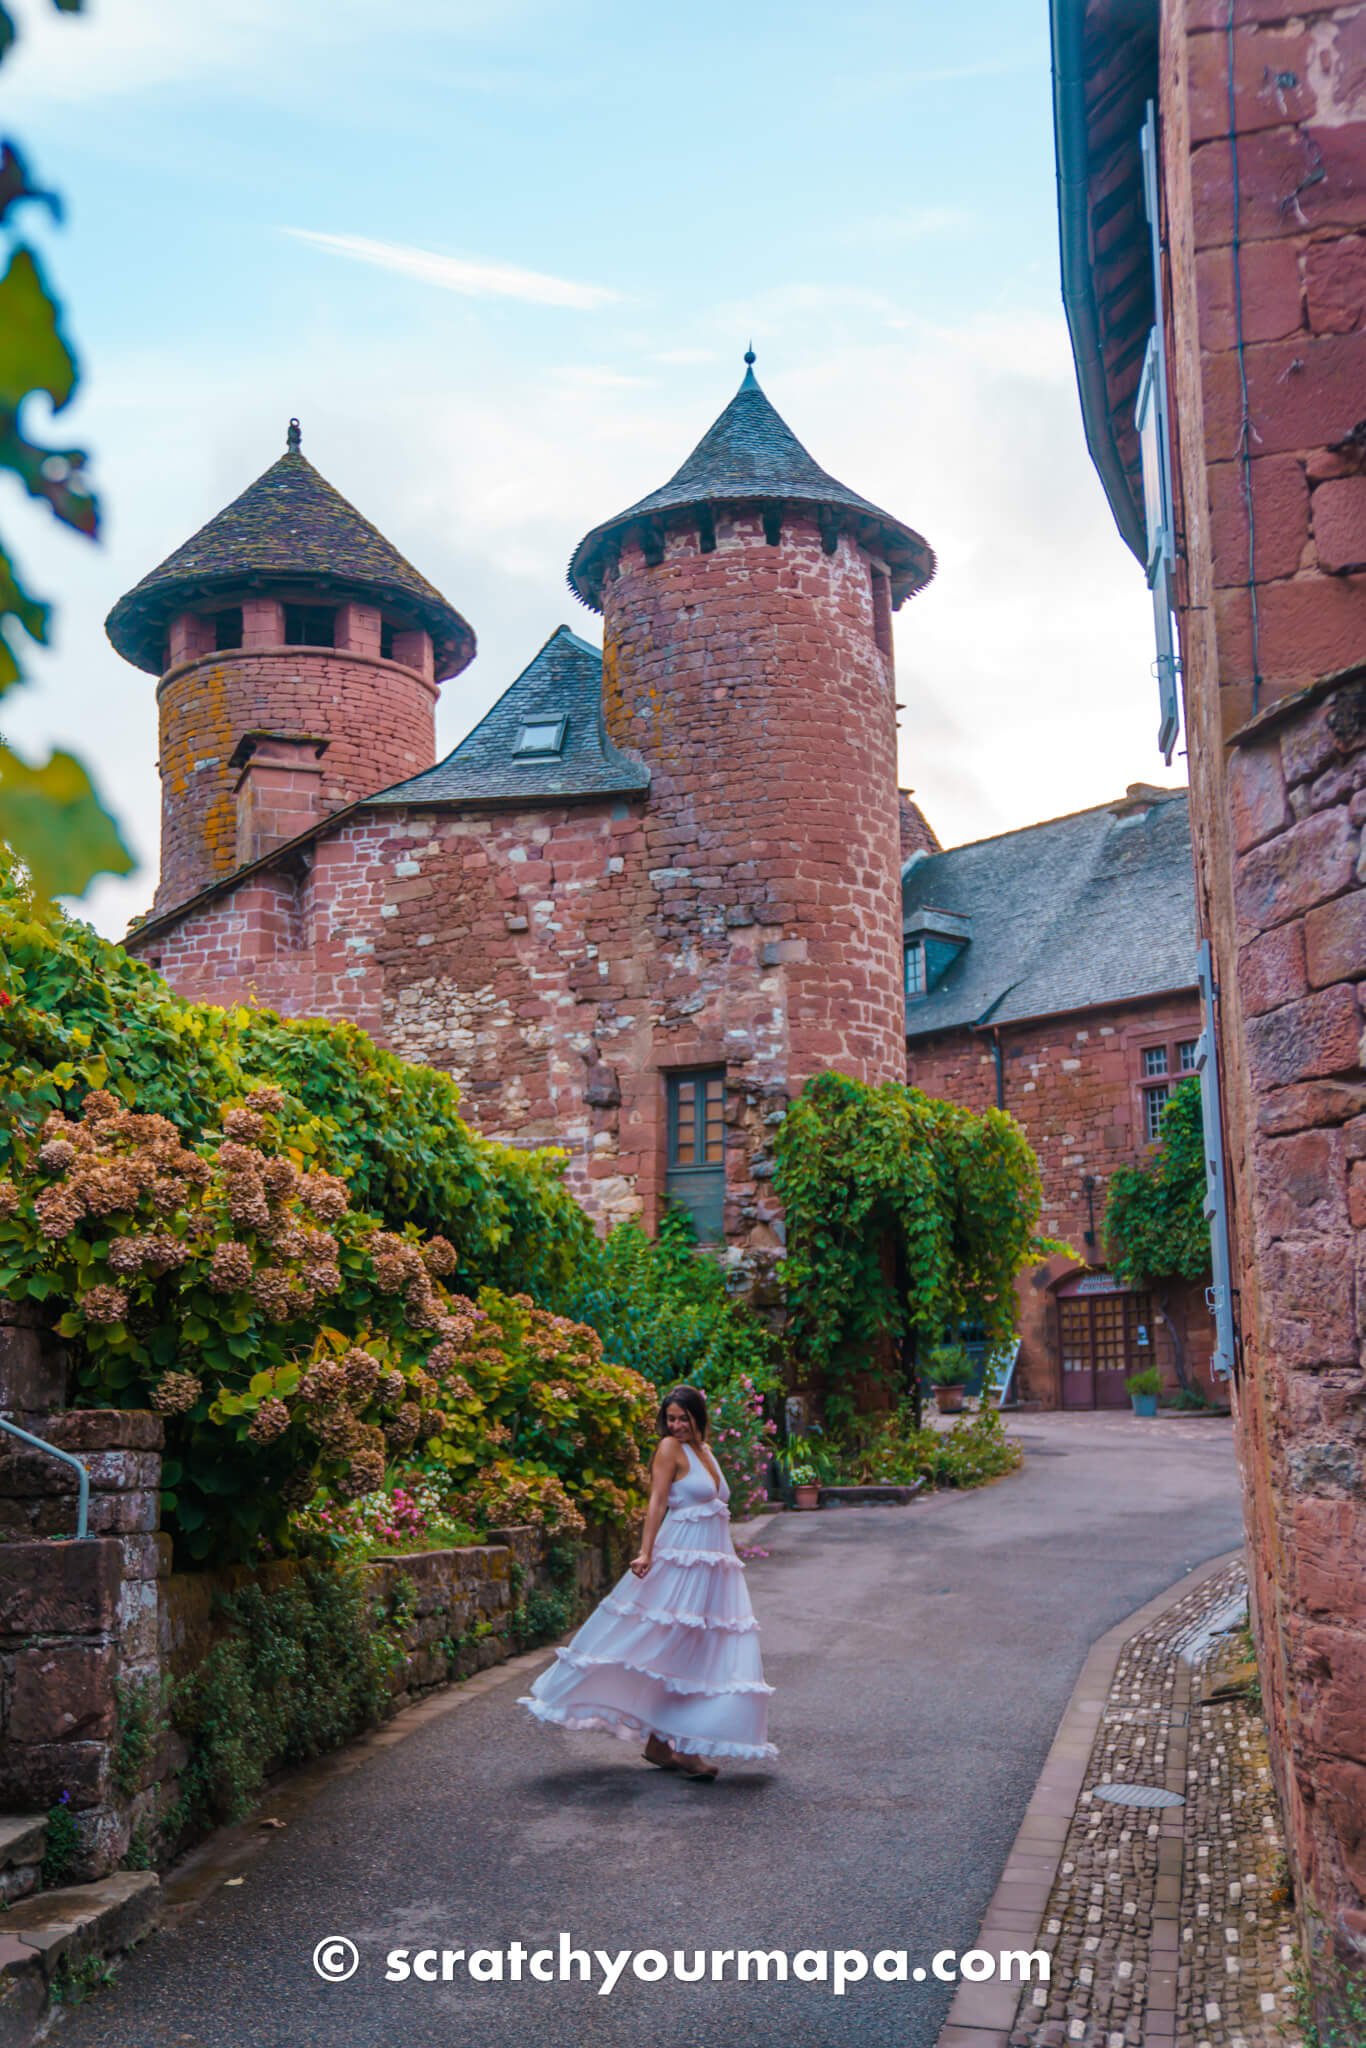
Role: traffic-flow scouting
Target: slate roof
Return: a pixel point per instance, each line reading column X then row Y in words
column 750, row 455
column 563, row 681
column 288, row 529
column 1094, row 908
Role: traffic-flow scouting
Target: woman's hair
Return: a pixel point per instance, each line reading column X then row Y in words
column 691, row 1398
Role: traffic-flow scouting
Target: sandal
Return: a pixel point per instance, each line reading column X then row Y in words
column 695, row 1768
column 667, row 1762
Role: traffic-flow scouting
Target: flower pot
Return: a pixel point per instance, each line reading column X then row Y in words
column 1144, row 1404
column 949, row 1400
column 807, row 1496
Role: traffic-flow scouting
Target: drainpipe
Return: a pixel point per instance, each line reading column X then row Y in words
column 82, row 1476
column 1000, row 1069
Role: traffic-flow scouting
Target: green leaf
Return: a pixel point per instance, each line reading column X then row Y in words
column 33, row 352
column 52, row 819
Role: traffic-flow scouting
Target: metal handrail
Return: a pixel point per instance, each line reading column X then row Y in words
column 67, row 1458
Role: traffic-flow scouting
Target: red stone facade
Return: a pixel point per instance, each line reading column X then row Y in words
column 1077, row 1087
column 564, row 959
column 1276, row 711
column 372, row 721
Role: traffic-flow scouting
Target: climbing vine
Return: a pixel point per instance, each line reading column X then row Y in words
column 1155, row 1230
column 905, row 1216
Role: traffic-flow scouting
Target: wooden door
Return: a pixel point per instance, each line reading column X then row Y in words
column 1098, row 1344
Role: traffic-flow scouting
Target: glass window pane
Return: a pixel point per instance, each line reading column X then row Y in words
column 1154, row 1102
column 1155, row 1059
column 1185, row 1055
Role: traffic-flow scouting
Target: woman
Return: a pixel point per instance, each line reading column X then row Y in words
column 673, row 1651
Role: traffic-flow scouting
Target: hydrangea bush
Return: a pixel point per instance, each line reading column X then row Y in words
column 291, row 1342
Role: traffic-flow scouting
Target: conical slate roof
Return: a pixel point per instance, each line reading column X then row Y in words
column 561, row 687
column 290, row 529
column 751, row 456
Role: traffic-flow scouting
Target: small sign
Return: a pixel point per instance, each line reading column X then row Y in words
column 1094, row 1283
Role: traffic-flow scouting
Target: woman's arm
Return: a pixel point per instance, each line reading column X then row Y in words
column 662, row 1474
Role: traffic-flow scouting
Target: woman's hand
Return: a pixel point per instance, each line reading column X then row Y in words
column 640, row 1565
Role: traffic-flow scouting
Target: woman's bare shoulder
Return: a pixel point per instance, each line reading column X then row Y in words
column 669, row 1455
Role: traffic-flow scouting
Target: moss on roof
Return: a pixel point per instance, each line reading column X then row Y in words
column 290, row 528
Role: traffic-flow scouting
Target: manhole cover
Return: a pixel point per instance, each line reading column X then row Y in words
column 1138, row 1795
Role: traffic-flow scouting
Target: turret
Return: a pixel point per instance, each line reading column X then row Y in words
column 300, row 658
column 747, row 608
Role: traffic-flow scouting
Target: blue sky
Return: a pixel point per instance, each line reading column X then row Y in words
column 503, row 262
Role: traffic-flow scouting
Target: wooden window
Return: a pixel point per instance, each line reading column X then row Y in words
column 310, row 625
column 1154, row 1059
column 696, row 1179
column 386, row 640
column 882, row 611
column 915, row 970
column 1154, row 1102
column 227, row 629
column 1185, row 1055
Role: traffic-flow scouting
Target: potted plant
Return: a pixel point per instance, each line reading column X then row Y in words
column 1144, row 1388
column 805, row 1484
column 948, row 1371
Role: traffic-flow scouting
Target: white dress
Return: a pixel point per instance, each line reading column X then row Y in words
column 675, row 1654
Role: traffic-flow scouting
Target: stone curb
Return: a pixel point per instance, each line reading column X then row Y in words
column 977, row 2017
column 49, row 1929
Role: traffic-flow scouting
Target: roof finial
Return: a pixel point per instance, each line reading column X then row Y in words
column 293, row 438
column 750, row 357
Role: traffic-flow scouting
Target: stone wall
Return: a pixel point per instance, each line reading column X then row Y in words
column 1075, row 1084
column 377, row 717
column 1276, row 728
column 95, row 1634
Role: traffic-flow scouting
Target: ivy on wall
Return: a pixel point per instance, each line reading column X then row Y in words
column 905, row 1216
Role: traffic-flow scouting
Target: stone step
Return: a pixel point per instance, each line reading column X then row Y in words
column 23, row 1839
column 56, row 1932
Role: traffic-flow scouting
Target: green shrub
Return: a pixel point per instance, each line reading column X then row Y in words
column 292, row 1343
column 300, row 1670
column 887, row 1449
column 84, row 1014
column 59, row 1850
column 141, row 1722
column 906, row 1216
column 1146, row 1381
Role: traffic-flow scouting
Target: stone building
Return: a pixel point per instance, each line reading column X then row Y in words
column 651, row 893
column 1050, row 972
column 1212, row 186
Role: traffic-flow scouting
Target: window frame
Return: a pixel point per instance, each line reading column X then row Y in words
column 547, row 750
column 310, row 612
column 919, row 993
column 696, row 1185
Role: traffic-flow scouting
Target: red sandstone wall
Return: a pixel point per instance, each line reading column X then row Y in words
column 1278, row 804
column 1074, row 1084
column 379, row 719
column 750, row 682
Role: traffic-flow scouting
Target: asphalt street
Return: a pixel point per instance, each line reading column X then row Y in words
column 921, row 1656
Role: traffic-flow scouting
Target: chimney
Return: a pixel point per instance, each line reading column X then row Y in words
column 278, row 791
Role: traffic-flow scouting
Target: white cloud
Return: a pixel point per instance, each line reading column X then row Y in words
column 471, row 277
column 1025, row 668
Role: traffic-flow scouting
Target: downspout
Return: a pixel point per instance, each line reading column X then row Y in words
column 998, row 1063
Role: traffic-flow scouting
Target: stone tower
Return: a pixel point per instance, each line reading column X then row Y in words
column 300, row 657
column 747, row 608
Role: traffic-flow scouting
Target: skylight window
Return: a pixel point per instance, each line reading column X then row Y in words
column 539, row 738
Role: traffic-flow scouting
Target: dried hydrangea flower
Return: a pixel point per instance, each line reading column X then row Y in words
column 401, row 1432
column 56, row 1155
column 244, row 1125
column 267, row 1101
column 103, row 1304
column 230, row 1267
column 324, row 1195
column 9, row 1199
column 175, row 1393
column 364, row 1474
column 440, row 1256
column 58, row 1209
column 270, row 1420
column 99, row 1106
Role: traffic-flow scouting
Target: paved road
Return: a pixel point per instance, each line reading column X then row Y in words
column 922, row 1657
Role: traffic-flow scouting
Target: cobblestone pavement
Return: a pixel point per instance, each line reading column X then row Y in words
column 1169, row 1924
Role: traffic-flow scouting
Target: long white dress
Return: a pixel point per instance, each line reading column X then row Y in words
column 675, row 1654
